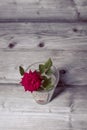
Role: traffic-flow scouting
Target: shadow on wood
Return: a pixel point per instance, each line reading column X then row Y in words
column 60, row 87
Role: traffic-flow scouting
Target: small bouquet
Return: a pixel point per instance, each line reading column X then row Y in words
column 42, row 78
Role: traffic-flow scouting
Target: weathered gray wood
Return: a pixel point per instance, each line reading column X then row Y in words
column 18, row 110
column 81, row 6
column 81, row 2
column 79, row 108
column 13, row 98
column 44, row 10
column 60, row 36
column 65, row 43
column 26, row 43
column 37, row 9
column 74, row 63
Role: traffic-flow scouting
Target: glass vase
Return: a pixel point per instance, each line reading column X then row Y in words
column 45, row 96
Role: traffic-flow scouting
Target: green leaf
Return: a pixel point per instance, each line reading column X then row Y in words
column 49, row 87
column 41, row 68
column 21, row 70
column 48, row 64
column 48, row 72
column 47, row 83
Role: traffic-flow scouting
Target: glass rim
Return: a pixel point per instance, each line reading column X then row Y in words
column 38, row 63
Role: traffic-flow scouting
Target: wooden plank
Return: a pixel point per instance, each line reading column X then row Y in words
column 18, row 107
column 48, row 10
column 80, row 100
column 81, row 6
column 73, row 62
column 18, row 111
column 82, row 13
column 12, row 121
column 81, row 2
column 79, row 108
column 13, row 98
column 65, row 43
column 59, row 36
column 79, row 121
column 44, row 9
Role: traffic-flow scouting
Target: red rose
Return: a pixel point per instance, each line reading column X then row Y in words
column 31, row 81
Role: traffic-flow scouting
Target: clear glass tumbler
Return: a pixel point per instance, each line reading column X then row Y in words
column 44, row 96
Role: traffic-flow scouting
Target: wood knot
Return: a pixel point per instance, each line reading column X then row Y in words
column 11, row 45
column 75, row 30
column 41, row 44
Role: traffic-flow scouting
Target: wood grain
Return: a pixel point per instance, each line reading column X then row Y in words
column 81, row 6
column 23, row 44
column 32, row 31
column 75, row 66
column 43, row 10
column 18, row 110
column 37, row 9
column 56, row 36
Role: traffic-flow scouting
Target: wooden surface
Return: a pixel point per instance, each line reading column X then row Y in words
column 26, row 43
column 47, row 10
column 37, row 9
column 32, row 31
column 67, row 111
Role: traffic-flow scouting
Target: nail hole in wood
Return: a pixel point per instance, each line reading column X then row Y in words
column 75, row 29
column 11, row 45
column 41, row 44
